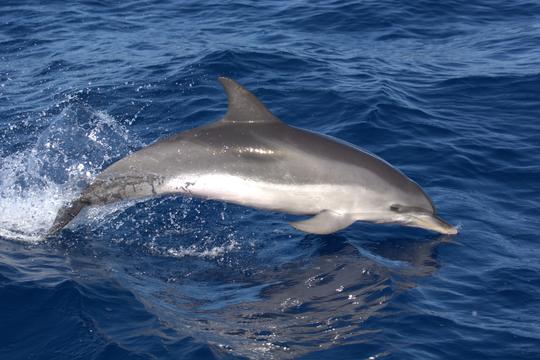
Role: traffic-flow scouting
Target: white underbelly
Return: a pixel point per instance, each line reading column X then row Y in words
column 290, row 198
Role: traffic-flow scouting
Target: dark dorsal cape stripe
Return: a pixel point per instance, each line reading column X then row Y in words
column 244, row 107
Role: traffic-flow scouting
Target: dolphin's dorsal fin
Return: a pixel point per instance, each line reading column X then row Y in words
column 244, row 107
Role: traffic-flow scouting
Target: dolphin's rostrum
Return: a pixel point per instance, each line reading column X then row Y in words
column 252, row 158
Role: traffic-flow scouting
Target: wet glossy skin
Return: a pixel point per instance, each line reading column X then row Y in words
column 274, row 154
column 252, row 158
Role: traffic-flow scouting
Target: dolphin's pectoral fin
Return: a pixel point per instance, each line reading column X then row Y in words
column 325, row 222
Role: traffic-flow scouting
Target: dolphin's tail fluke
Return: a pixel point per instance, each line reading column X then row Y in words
column 66, row 214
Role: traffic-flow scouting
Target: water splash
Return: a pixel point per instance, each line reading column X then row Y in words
column 36, row 181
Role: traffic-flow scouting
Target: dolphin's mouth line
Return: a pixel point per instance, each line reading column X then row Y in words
column 432, row 222
column 422, row 219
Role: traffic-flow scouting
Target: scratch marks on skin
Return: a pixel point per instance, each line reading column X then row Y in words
column 186, row 187
column 118, row 188
column 159, row 180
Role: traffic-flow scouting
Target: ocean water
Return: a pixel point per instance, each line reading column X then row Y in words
column 448, row 92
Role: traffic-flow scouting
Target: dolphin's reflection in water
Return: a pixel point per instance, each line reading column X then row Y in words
column 279, row 309
column 323, row 301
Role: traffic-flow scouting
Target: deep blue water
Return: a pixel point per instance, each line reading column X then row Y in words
column 448, row 92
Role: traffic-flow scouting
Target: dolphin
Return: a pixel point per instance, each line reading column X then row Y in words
column 252, row 158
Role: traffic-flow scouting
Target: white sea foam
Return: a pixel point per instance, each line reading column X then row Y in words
column 28, row 203
column 37, row 181
column 195, row 251
column 26, row 216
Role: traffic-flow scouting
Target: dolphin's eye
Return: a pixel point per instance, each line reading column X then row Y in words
column 397, row 208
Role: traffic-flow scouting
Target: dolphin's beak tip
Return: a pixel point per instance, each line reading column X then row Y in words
column 452, row 230
column 435, row 223
column 446, row 228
